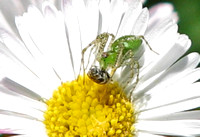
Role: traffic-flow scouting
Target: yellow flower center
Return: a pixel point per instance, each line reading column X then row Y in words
column 84, row 108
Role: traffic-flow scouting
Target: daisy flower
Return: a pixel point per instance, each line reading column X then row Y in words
column 40, row 53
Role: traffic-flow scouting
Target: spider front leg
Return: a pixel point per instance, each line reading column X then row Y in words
column 111, row 41
column 102, row 40
column 142, row 37
column 93, row 45
column 98, row 45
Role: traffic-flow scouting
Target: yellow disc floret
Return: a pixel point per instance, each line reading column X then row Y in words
column 86, row 109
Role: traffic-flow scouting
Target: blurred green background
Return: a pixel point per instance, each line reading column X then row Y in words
column 189, row 19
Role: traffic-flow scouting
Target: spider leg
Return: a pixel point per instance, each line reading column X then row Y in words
column 111, row 41
column 137, row 76
column 142, row 37
column 102, row 41
column 98, row 44
column 90, row 55
column 132, row 63
column 129, row 56
column 119, row 60
column 93, row 43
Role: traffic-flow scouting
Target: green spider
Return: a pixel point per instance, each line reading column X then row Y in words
column 120, row 52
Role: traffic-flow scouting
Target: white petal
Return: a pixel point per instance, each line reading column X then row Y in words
column 10, row 9
column 133, row 11
column 162, row 36
column 22, row 55
column 105, row 14
column 180, row 69
column 160, row 12
column 18, row 104
column 5, row 24
column 117, row 11
column 187, row 115
column 181, row 73
column 170, row 108
column 56, row 49
column 166, row 60
column 31, row 81
column 33, row 27
column 171, row 95
column 161, row 41
column 25, row 127
column 73, row 34
column 174, row 128
column 140, row 25
column 17, row 114
column 190, row 77
column 17, row 88
column 143, row 134
column 89, row 21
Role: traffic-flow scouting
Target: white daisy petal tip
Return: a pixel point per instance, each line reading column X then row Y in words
column 163, row 10
column 48, row 8
column 19, row 89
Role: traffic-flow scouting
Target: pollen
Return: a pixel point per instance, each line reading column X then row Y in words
column 82, row 108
